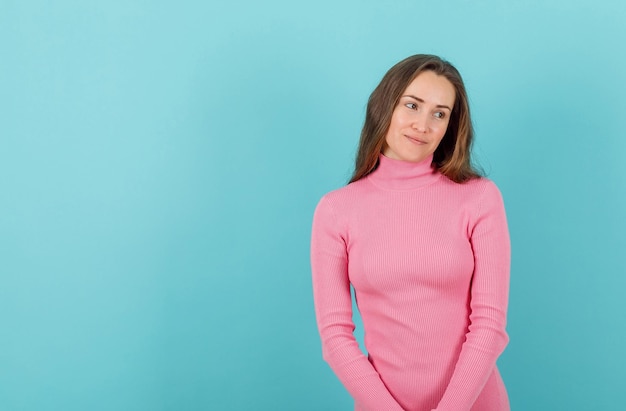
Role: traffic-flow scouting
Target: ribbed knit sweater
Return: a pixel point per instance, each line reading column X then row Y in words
column 429, row 261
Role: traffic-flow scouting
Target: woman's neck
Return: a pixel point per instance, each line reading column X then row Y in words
column 394, row 174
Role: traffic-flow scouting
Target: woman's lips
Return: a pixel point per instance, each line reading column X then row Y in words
column 415, row 140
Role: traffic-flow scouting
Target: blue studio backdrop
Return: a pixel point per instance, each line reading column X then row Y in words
column 160, row 163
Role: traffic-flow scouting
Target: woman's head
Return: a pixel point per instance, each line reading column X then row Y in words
column 395, row 112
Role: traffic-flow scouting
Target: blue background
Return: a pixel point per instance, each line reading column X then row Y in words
column 160, row 163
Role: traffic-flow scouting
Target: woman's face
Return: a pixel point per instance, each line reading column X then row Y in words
column 420, row 119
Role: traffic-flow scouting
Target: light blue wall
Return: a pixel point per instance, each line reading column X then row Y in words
column 160, row 163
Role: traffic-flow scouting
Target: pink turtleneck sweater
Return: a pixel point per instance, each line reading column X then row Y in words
column 429, row 262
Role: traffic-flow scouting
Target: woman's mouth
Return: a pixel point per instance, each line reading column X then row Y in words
column 415, row 140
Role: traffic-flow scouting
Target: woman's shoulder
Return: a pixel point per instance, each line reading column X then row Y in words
column 485, row 187
column 485, row 197
column 478, row 185
column 475, row 192
column 344, row 197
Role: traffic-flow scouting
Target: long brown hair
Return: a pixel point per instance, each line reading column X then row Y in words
column 452, row 156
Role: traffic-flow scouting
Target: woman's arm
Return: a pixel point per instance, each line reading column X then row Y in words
column 333, row 309
column 486, row 337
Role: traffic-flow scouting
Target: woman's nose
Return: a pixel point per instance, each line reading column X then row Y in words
column 420, row 123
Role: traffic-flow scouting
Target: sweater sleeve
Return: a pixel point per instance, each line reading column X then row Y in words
column 333, row 310
column 486, row 336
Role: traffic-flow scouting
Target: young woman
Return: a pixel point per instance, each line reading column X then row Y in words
column 423, row 240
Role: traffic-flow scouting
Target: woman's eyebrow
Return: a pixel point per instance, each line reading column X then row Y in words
column 422, row 101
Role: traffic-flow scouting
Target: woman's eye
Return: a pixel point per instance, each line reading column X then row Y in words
column 412, row 106
column 440, row 114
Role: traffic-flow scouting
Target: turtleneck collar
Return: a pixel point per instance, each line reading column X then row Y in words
column 403, row 175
